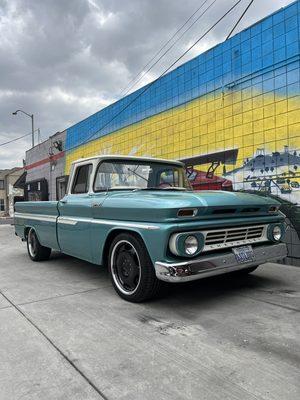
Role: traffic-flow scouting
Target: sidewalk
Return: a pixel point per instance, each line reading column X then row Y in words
column 6, row 220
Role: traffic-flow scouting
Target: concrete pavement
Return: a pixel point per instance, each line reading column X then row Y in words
column 65, row 334
column 6, row 221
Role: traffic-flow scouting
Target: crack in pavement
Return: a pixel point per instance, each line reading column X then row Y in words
column 54, row 297
column 66, row 358
column 270, row 302
column 62, row 295
column 5, row 308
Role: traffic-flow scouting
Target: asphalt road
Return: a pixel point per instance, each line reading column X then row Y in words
column 65, row 334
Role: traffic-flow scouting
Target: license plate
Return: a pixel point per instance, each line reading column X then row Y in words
column 243, row 254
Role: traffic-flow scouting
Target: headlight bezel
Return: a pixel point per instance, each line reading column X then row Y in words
column 271, row 229
column 177, row 243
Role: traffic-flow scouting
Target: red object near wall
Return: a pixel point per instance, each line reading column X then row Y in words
column 200, row 181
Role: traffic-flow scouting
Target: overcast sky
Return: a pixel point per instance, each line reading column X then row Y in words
column 63, row 60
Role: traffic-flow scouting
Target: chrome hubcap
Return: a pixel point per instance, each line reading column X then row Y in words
column 32, row 243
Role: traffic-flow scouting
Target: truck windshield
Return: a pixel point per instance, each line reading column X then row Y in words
column 118, row 175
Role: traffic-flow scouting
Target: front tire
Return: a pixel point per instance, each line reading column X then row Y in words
column 131, row 269
column 36, row 251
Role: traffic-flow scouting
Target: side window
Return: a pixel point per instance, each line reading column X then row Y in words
column 82, row 179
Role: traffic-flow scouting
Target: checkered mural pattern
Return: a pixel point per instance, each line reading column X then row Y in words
column 243, row 94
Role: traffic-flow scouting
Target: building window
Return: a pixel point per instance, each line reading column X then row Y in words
column 1, row 204
column 1, row 184
column 37, row 190
column 61, row 186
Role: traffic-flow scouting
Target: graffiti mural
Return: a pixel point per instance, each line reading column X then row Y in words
column 277, row 173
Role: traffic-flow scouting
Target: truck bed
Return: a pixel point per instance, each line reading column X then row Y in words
column 42, row 215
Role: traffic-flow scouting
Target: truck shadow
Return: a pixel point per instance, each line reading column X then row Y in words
column 210, row 290
column 218, row 287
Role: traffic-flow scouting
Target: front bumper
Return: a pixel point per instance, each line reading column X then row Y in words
column 210, row 265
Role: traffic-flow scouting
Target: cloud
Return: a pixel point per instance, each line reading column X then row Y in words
column 64, row 60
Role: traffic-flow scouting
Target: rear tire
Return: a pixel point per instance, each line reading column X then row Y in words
column 36, row 251
column 131, row 269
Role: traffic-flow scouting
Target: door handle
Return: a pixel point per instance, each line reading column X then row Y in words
column 96, row 205
column 63, row 201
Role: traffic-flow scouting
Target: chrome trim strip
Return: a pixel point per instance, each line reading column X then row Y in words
column 210, row 265
column 74, row 221
column 37, row 217
column 66, row 221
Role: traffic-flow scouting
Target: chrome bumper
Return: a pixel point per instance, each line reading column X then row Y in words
column 209, row 265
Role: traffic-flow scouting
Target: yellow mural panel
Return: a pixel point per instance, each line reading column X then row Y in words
column 206, row 125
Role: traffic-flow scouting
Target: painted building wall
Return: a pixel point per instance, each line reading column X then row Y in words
column 12, row 193
column 3, row 173
column 9, row 194
column 44, row 161
column 242, row 95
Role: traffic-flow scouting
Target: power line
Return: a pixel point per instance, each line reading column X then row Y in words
column 164, row 72
column 239, row 20
column 156, row 54
column 18, row 138
column 157, row 61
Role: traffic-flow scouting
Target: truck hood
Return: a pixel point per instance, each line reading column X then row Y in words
column 163, row 205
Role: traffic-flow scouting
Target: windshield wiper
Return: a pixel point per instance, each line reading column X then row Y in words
column 165, row 188
column 138, row 175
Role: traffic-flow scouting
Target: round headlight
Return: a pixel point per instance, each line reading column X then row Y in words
column 277, row 233
column 191, row 245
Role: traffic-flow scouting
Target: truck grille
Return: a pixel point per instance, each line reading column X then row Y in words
column 230, row 237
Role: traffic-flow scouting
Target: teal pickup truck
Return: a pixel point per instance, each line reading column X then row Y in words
column 140, row 217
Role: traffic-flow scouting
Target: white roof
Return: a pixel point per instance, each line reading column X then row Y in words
column 131, row 158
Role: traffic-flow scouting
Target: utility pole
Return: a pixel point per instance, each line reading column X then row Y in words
column 32, row 123
column 32, row 129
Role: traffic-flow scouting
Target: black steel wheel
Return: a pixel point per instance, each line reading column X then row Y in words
column 126, row 267
column 36, row 251
column 131, row 270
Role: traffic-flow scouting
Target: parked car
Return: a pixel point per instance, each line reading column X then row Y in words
column 140, row 217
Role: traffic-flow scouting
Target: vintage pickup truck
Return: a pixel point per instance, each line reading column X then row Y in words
column 140, row 217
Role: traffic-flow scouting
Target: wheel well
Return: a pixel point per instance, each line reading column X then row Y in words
column 26, row 231
column 111, row 237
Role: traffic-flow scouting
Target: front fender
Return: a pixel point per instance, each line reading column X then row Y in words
column 154, row 236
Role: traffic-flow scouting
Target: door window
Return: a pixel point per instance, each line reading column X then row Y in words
column 82, row 179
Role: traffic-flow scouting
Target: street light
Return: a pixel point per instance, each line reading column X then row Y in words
column 32, row 122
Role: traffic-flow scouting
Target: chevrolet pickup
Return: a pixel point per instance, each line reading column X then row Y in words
column 140, row 218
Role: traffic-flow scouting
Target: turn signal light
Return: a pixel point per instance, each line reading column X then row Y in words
column 273, row 209
column 187, row 212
